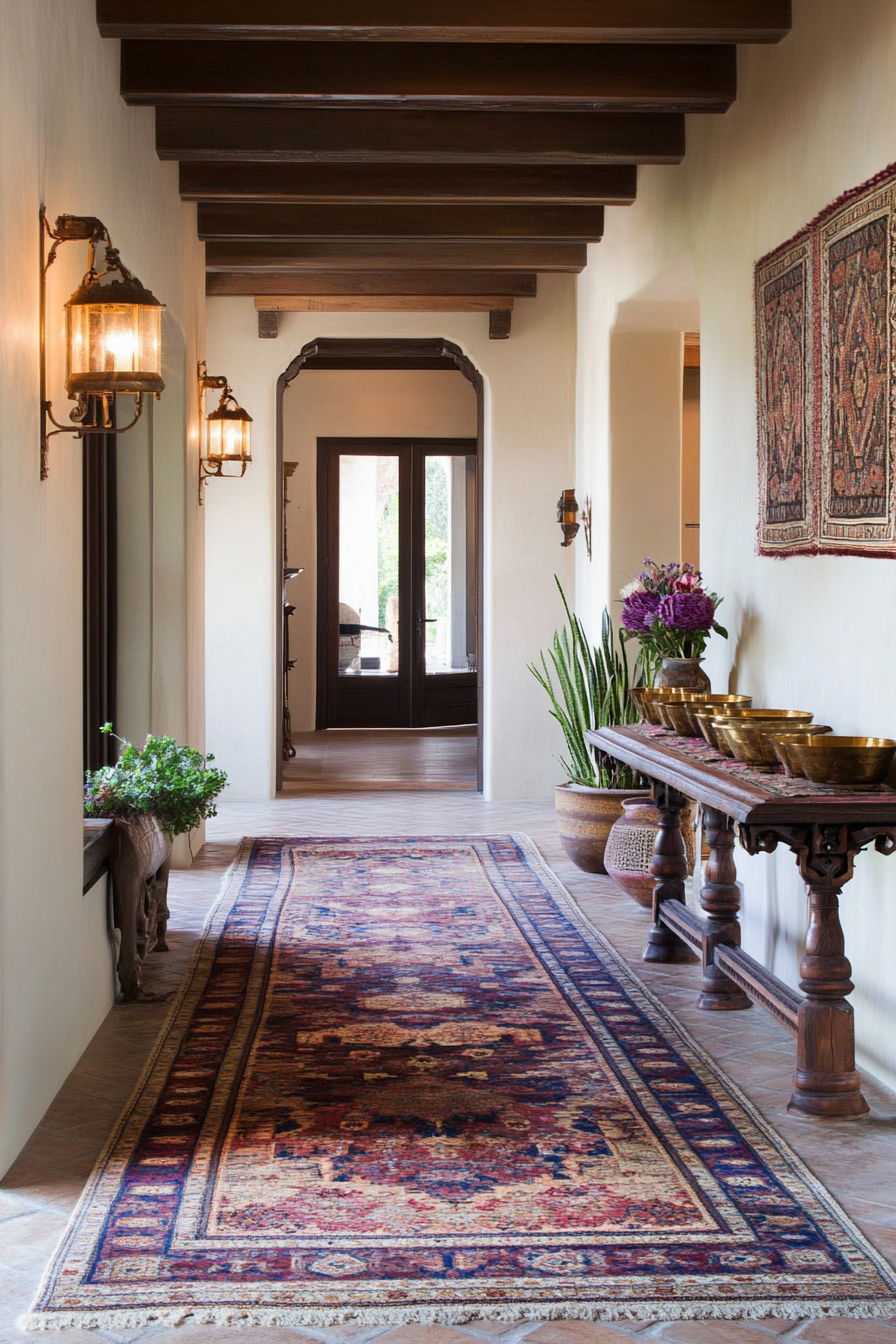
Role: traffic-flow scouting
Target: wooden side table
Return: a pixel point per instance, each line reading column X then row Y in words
column 825, row 827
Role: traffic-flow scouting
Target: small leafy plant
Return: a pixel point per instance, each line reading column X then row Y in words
column 176, row 784
column 592, row 692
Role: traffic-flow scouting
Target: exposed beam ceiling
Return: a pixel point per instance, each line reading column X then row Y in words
column 385, row 254
column 310, row 135
column 419, row 151
column 669, row 21
column 463, row 76
column 259, row 221
column 522, row 284
column 409, row 184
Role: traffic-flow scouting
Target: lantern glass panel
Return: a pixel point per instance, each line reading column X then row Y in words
column 227, row 440
column 118, row 338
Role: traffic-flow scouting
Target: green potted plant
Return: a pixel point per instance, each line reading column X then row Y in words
column 591, row 691
column 152, row 794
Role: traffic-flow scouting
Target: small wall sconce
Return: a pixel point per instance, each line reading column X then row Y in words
column 225, row 433
column 567, row 516
column 113, row 335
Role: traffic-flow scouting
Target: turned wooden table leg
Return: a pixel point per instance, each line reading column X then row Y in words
column 720, row 900
column 669, row 869
column 826, row 1082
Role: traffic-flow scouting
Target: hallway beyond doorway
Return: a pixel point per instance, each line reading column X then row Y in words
column 382, row 758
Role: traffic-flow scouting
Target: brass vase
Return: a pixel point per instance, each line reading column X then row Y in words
column 684, row 674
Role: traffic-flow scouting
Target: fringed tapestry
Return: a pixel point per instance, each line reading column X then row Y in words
column 825, row 328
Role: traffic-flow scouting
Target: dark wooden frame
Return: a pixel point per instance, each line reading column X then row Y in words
column 825, row 832
column 434, row 353
column 99, row 540
column 411, row 688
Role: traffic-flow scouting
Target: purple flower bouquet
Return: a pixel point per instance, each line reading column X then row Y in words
column 667, row 609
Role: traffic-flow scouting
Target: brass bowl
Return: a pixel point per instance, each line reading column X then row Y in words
column 750, row 741
column 650, row 697
column 673, row 695
column 857, row 762
column 698, row 703
column 706, row 718
column 638, row 697
column 677, row 715
column 782, row 741
column 748, row 751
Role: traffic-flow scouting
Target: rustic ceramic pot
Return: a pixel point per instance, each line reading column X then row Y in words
column 684, row 673
column 584, row 819
column 631, row 844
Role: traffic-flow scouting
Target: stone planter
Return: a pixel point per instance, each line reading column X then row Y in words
column 631, row 843
column 584, row 819
column 140, row 857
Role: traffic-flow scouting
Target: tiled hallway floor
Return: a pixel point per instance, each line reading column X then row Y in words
column 382, row 758
column 857, row 1161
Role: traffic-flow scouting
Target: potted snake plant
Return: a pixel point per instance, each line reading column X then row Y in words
column 588, row 687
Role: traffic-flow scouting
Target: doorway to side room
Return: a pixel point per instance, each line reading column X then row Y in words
column 382, row 538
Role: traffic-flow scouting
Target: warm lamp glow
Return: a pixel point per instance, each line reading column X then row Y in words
column 228, row 437
column 113, row 336
column 114, row 339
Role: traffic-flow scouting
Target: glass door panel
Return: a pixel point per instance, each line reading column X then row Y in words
column 450, row 575
column 368, row 565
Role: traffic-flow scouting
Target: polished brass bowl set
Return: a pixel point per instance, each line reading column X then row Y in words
column 764, row 738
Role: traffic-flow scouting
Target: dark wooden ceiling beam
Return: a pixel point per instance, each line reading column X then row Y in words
column 649, row 77
column 520, row 284
column 451, row 20
column 273, row 220
column 396, row 254
column 309, row 135
column 410, row 183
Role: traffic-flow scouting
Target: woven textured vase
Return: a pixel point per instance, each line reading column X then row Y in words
column 631, row 843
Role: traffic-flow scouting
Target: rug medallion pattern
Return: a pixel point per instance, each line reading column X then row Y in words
column 406, row 1080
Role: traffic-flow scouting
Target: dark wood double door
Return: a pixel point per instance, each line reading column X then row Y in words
column 398, row 583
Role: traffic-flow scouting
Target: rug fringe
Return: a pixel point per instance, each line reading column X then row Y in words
column 659, row 1312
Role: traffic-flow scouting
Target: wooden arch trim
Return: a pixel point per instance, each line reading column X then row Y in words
column 433, row 353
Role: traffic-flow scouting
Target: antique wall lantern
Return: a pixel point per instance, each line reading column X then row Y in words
column 568, row 516
column 225, row 433
column 113, row 335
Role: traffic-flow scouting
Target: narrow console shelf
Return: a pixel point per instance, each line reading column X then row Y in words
column 825, row 827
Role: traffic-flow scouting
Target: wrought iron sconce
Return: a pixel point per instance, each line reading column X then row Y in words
column 113, row 336
column 568, row 516
column 225, row 433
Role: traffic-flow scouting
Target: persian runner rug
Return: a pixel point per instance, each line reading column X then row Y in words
column 406, row 1080
column 826, row 381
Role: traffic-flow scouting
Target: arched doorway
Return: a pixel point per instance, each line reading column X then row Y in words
column 382, row 355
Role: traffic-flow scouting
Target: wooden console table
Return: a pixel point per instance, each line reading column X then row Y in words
column 825, row 827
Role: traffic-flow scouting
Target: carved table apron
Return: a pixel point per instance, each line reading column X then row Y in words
column 825, row 827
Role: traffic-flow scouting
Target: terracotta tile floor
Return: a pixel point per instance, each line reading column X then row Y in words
column 856, row 1161
column 383, row 758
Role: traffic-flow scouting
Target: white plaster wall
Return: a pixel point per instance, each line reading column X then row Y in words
column 814, row 117
column 528, row 460
column 66, row 139
column 342, row 403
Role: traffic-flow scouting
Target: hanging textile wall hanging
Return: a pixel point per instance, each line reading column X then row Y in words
column 826, row 381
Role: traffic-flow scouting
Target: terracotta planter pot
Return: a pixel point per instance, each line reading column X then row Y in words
column 584, row 819
column 631, row 843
